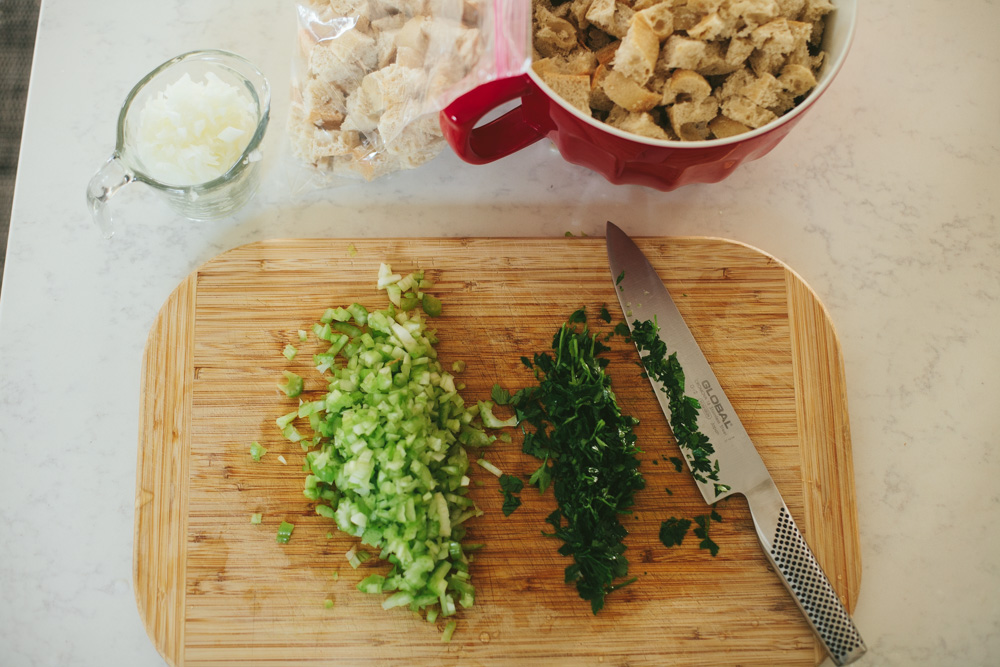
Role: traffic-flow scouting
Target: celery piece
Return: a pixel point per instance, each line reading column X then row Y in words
column 373, row 583
column 256, row 518
column 431, row 305
column 284, row 532
column 386, row 276
column 290, row 351
column 256, row 451
column 408, row 301
column 285, row 420
column 359, row 313
column 346, row 328
column 489, row 421
column 458, row 366
column 328, row 603
column 490, row 467
column 292, row 386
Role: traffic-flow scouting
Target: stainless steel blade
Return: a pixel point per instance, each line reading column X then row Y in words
column 643, row 296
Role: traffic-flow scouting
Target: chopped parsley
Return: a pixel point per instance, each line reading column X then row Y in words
column 588, row 452
column 509, row 485
column 500, row 396
column 704, row 521
column 684, row 409
column 673, row 530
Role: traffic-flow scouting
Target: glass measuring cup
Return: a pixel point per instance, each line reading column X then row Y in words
column 207, row 200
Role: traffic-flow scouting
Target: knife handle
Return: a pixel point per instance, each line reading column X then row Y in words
column 793, row 560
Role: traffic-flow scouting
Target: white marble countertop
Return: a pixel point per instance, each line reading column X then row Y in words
column 884, row 198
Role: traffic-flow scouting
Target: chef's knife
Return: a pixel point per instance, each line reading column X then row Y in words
column 643, row 296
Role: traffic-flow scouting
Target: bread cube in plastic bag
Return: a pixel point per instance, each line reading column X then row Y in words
column 370, row 77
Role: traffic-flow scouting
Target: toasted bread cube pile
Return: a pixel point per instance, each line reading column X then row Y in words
column 369, row 73
column 688, row 70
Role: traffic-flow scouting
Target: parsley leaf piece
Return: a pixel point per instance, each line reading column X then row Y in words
column 510, row 503
column 509, row 485
column 500, row 395
column 605, row 315
column 541, row 477
column 673, row 530
column 704, row 521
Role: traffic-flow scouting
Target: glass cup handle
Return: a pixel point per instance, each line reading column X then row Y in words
column 108, row 180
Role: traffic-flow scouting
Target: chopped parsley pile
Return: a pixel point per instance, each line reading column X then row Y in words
column 588, row 452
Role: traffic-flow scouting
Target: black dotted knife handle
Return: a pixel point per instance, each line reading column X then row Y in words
column 802, row 574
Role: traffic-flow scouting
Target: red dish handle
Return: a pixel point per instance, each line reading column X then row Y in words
column 500, row 137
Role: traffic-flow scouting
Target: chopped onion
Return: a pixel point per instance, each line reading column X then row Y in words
column 193, row 132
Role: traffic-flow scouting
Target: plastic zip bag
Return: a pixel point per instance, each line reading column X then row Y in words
column 369, row 78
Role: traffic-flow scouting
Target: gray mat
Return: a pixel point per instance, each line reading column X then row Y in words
column 18, row 21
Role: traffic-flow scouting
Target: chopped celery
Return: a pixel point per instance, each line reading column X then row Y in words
column 483, row 463
column 387, row 462
column 449, row 630
column 431, row 305
column 373, row 583
column 489, row 421
column 328, row 603
column 256, row 518
column 290, row 351
column 256, row 451
column 284, row 532
column 292, row 386
column 356, row 558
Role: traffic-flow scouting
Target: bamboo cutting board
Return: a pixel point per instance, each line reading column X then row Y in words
column 213, row 589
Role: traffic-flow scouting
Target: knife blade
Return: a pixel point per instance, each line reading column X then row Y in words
column 643, row 296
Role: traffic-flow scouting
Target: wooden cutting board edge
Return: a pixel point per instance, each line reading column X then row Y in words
column 160, row 520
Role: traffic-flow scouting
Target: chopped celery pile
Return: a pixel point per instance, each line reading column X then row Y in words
column 387, row 459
